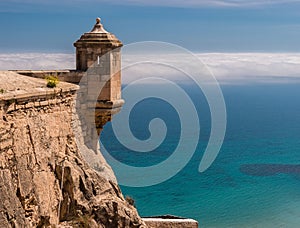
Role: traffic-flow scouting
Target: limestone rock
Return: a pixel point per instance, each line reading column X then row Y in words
column 44, row 181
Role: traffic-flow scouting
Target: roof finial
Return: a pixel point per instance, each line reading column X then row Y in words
column 98, row 28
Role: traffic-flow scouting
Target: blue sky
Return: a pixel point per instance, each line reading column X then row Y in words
column 201, row 26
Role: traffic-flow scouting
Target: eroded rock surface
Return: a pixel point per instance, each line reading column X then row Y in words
column 44, row 181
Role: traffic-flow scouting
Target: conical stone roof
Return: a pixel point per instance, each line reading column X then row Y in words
column 98, row 36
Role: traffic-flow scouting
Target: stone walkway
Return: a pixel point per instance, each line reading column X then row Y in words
column 12, row 81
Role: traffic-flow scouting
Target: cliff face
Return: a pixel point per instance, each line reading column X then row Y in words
column 44, row 181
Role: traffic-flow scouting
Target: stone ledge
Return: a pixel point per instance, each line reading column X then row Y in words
column 71, row 76
column 108, row 105
column 16, row 87
column 157, row 222
column 35, row 93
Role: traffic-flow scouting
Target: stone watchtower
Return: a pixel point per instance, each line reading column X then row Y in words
column 90, row 49
column 98, row 57
column 94, row 44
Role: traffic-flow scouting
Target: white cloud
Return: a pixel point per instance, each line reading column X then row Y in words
column 226, row 67
column 269, row 67
column 36, row 61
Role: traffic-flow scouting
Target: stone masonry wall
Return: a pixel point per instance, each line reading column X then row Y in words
column 44, row 181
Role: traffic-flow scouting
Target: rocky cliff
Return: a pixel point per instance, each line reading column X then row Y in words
column 44, row 181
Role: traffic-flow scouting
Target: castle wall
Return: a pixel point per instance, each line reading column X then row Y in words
column 44, row 180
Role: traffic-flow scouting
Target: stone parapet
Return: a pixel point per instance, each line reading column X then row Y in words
column 71, row 76
column 32, row 93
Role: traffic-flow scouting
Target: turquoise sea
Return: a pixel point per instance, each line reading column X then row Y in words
column 255, row 180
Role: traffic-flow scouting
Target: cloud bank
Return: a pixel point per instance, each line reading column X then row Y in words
column 226, row 67
column 37, row 61
column 255, row 67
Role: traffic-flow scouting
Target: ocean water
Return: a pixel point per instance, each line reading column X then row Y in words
column 255, row 180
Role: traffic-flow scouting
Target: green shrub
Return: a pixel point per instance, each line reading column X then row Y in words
column 2, row 91
column 52, row 81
